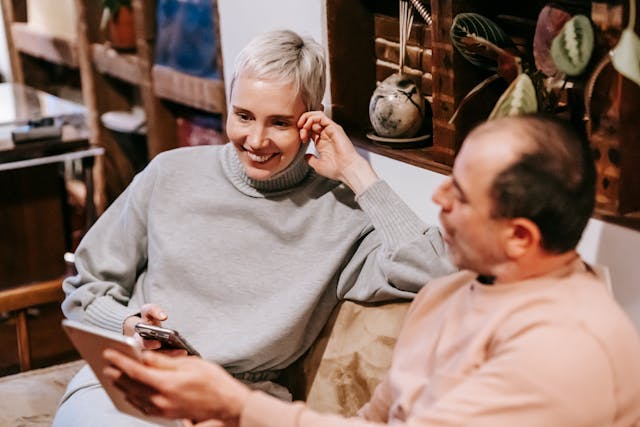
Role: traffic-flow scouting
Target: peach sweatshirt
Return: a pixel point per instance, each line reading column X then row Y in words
column 550, row 351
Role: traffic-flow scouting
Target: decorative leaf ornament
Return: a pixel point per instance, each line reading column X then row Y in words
column 480, row 40
column 519, row 98
column 625, row 57
column 549, row 24
column 571, row 48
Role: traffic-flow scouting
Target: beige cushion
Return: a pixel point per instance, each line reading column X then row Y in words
column 354, row 358
column 31, row 398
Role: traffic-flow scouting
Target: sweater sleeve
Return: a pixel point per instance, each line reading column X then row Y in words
column 262, row 410
column 528, row 384
column 377, row 408
column 110, row 259
column 397, row 255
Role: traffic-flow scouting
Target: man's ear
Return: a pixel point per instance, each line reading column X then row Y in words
column 522, row 236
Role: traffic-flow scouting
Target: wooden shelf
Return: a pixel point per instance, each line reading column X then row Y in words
column 630, row 220
column 430, row 157
column 123, row 66
column 196, row 92
column 51, row 48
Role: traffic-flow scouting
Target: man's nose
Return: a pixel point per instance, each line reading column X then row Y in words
column 441, row 195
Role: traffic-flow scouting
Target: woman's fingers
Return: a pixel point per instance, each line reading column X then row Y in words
column 153, row 313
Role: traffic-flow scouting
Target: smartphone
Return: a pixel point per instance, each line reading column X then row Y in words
column 91, row 341
column 168, row 337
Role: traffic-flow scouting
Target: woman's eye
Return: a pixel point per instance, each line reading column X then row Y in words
column 243, row 116
column 281, row 123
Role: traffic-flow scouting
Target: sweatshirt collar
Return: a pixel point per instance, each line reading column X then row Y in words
column 295, row 173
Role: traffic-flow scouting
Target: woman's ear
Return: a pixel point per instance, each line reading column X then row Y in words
column 522, row 236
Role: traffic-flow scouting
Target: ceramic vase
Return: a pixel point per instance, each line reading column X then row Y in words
column 396, row 108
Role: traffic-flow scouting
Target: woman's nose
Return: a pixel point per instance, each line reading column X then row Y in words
column 257, row 137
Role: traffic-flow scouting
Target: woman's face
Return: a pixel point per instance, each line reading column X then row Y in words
column 262, row 125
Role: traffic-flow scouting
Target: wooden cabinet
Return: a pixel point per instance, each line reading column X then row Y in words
column 360, row 34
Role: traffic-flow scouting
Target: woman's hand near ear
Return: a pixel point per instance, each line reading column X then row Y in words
column 337, row 157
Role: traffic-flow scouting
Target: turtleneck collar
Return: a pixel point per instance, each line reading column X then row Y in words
column 297, row 171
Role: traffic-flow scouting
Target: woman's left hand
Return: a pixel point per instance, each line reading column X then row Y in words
column 338, row 159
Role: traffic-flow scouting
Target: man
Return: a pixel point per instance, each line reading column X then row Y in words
column 526, row 335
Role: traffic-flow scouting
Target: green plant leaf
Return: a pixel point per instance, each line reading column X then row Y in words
column 571, row 49
column 519, row 98
column 480, row 40
column 625, row 57
column 114, row 5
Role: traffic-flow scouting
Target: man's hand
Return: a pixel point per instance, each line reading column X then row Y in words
column 338, row 159
column 182, row 387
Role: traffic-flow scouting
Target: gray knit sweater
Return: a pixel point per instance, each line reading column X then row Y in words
column 248, row 271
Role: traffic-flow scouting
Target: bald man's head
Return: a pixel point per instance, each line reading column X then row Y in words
column 548, row 176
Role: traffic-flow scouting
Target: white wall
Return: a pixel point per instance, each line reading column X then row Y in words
column 603, row 243
column 241, row 20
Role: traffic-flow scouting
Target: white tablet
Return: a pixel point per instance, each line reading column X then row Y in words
column 91, row 341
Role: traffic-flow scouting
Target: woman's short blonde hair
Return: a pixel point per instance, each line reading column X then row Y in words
column 283, row 55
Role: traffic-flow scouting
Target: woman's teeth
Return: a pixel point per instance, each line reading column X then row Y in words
column 259, row 159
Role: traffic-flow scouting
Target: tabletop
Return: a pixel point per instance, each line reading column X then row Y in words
column 20, row 104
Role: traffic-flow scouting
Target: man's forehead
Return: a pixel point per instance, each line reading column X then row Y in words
column 483, row 156
column 498, row 146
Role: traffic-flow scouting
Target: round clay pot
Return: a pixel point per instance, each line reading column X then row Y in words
column 396, row 108
column 121, row 29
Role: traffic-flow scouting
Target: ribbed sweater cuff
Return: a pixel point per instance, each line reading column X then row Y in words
column 389, row 214
column 108, row 314
column 261, row 410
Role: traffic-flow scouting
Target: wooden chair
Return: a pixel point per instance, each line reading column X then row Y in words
column 18, row 300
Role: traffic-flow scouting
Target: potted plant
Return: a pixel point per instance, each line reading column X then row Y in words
column 117, row 18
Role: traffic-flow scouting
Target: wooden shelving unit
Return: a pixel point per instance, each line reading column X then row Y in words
column 38, row 59
column 110, row 80
column 359, row 57
column 116, row 80
column 122, row 66
column 203, row 94
column 55, row 49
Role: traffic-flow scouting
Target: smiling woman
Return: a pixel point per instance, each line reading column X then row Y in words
column 263, row 125
column 252, row 214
